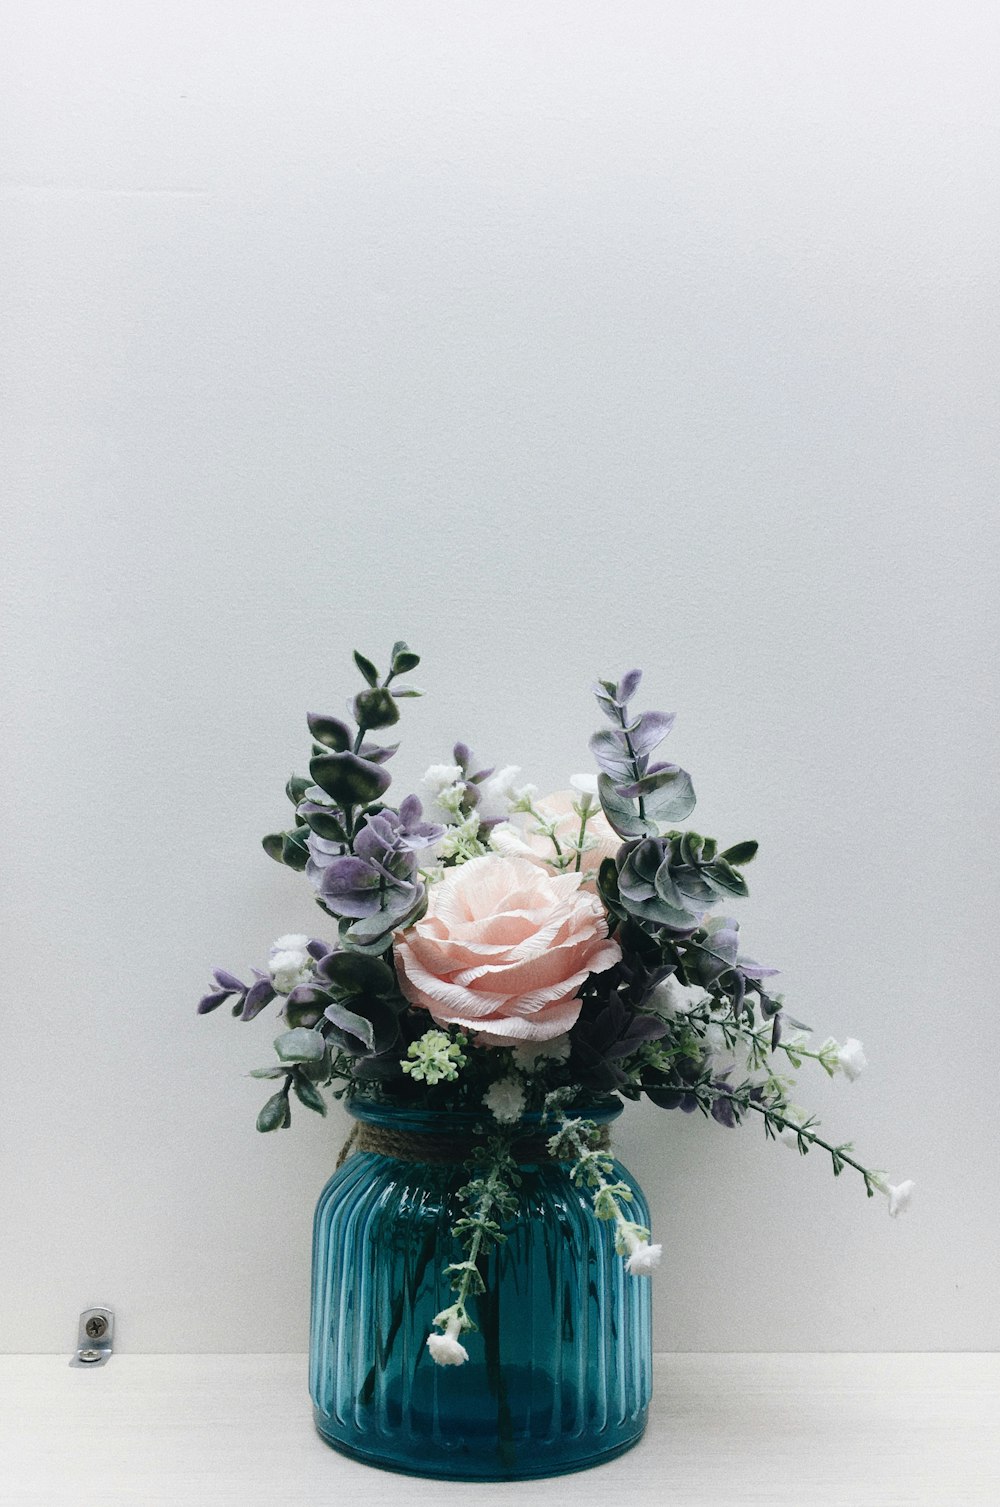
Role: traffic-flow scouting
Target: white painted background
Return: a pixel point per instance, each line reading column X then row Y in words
column 553, row 337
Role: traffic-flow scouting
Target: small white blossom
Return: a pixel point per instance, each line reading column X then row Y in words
column 851, row 1059
column 671, row 998
column 502, row 793
column 644, row 1258
column 442, row 789
column 505, row 1100
column 289, row 966
column 787, row 1135
column 462, row 842
column 438, row 777
column 294, row 942
column 585, row 783
column 529, row 1055
column 445, row 1348
column 508, row 840
column 900, row 1196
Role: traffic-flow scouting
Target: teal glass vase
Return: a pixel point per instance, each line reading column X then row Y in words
column 560, row 1368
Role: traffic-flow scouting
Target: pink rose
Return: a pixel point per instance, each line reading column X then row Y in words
column 523, row 842
column 503, row 949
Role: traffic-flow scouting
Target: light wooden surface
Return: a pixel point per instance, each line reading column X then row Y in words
column 236, row 1430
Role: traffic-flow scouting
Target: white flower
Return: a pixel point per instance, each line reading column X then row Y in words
column 438, row 777
column 900, row 1196
column 787, row 1135
column 851, row 1059
column 644, row 1258
column 528, row 1055
column 445, row 1348
column 585, row 783
column 505, row 1100
column 501, row 793
column 671, row 998
column 461, row 842
column 509, row 840
column 289, row 966
column 294, row 942
column 442, row 788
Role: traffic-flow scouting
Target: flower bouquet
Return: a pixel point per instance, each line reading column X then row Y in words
column 500, row 971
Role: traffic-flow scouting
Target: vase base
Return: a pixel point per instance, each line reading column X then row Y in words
column 541, row 1460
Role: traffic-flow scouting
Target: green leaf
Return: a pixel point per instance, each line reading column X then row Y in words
column 691, row 846
column 308, row 1094
column 366, row 667
column 741, row 852
column 306, row 1012
column 272, row 845
column 376, row 708
column 348, row 1021
column 620, row 812
column 357, row 973
column 350, row 780
column 294, row 851
column 403, row 658
column 275, row 1114
column 300, row 1045
column 268, row 1072
column 296, row 788
column 330, row 732
column 327, row 824
column 673, row 797
column 406, row 690
column 722, row 877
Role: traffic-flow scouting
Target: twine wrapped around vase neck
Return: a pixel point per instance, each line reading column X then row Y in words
column 443, row 1150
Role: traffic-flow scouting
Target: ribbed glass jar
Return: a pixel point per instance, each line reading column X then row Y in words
column 559, row 1372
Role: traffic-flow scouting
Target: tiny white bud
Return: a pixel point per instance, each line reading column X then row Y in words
column 644, row 1258
column 900, row 1197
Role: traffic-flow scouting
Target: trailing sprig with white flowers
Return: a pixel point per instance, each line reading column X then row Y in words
column 579, row 1142
column 522, row 957
column 489, row 1199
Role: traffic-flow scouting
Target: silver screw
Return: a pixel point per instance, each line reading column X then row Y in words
column 96, row 1327
column 90, row 1355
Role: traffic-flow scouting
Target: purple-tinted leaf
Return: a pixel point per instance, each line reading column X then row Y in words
column 212, row 1001
column 350, row 887
column 755, row 971
column 462, row 755
column 228, row 981
column 628, row 685
column 330, row 731
column 377, row 753
column 722, row 1107
column 259, row 995
column 650, row 730
column 411, row 810
column 641, row 1028
column 608, row 748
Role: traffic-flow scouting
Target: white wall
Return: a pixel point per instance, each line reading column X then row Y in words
column 553, row 337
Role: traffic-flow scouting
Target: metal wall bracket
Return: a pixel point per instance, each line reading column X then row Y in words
column 95, row 1338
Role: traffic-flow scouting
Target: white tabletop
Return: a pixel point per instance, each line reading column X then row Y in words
column 236, row 1430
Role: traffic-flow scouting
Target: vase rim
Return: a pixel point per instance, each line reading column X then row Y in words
column 440, row 1121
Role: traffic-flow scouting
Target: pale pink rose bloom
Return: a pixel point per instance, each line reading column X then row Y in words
column 503, row 950
column 533, row 845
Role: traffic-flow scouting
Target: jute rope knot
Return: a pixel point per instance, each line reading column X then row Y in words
column 444, row 1150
